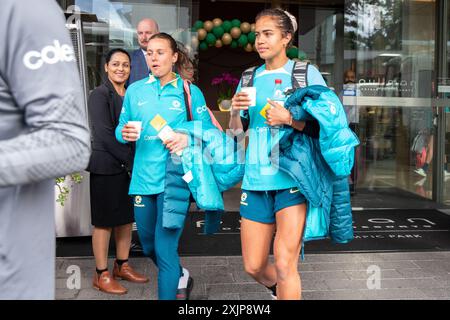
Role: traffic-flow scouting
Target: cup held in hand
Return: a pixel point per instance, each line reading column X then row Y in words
column 137, row 125
column 251, row 92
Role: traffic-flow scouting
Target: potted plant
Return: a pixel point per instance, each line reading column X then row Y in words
column 226, row 86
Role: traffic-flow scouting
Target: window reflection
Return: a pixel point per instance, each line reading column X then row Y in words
column 390, row 47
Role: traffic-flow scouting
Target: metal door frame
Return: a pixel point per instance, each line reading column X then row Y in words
column 441, row 67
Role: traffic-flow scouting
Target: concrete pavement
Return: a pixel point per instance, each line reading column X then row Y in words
column 348, row 276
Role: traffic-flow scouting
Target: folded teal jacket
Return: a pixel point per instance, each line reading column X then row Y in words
column 321, row 166
column 209, row 166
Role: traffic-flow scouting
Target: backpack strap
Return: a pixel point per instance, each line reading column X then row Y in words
column 187, row 99
column 248, row 77
column 300, row 74
column 188, row 103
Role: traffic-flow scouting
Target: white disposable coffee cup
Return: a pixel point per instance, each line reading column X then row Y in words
column 167, row 133
column 251, row 91
column 137, row 125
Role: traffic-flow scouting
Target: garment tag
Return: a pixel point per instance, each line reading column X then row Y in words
column 188, row 176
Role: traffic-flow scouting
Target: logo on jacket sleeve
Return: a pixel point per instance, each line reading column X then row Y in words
column 332, row 108
column 50, row 54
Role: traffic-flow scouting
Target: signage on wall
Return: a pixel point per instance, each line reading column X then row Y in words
column 443, row 85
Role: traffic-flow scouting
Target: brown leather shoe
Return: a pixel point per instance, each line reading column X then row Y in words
column 126, row 272
column 107, row 284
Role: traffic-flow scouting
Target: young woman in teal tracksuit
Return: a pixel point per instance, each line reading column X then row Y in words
column 160, row 95
column 270, row 197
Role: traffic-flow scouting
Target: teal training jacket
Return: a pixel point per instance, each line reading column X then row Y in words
column 321, row 166
column 210, row 166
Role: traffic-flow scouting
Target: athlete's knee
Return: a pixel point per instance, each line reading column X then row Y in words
column 285, row 267
column 147, row 244
column 255, row 270
column 148, row 250
column 167, row 259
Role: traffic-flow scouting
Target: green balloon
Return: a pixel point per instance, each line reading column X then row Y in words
column 235, row 23
column 234, row 44
column 218, row 32
column 226, row 25
column 198, row 25
column 251, row 37
column 203, row 46
column 242, row 41
column 210, row 39
column 292, row 53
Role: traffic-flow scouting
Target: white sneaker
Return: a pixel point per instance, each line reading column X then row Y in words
column 185, row 285
column 421, row 172
column 273, row 292
column 183, row 282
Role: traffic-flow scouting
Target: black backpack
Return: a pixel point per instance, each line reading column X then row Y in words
column 299, row 75
column 299, row 78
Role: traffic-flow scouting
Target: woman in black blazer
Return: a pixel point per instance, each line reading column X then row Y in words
column 109, row 167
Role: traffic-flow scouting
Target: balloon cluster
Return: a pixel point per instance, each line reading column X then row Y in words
column 220, row 33
column 232, row 33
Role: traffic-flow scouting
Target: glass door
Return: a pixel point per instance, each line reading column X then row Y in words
column 443, row 87
column 389, row 54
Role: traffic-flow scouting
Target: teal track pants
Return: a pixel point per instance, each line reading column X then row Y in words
column 159, row 243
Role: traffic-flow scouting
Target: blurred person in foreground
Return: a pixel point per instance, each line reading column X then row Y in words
column 43, row 135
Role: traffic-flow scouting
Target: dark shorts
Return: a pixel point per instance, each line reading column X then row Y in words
column 261, row 206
